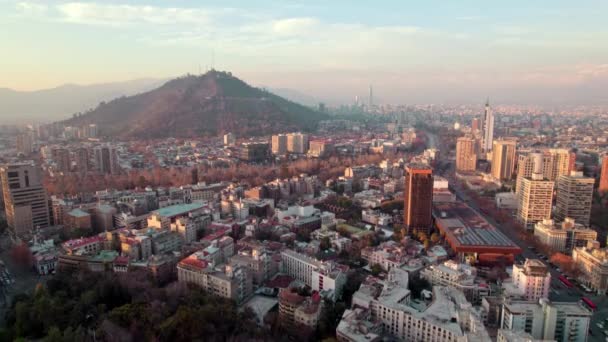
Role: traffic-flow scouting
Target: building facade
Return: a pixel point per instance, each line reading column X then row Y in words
column 574, row 198
column 418, row 198
column 466, row 156
column 503, row 159
column 563, row 237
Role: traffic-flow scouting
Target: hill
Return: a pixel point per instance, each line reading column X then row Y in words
column 209, row 104
column 57, row 103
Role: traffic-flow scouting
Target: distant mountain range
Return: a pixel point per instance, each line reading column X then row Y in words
column 59, row 103
column 209, row 104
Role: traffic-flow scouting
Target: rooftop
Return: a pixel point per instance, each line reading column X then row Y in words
column 178, row 209
column 467, row 231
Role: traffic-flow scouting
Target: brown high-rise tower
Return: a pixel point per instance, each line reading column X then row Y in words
column 418, row 198
column 604, row 176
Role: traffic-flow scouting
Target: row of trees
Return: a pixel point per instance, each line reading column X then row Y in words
column 175, row 176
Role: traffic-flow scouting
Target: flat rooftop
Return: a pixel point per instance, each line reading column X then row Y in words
column 178, row 209
column 467, row 231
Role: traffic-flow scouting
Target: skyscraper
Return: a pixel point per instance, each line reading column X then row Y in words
column 106, row 160
column 475, row 126
column 279, row 144
column 574, row 197
column 535, row 198
column 555, row 161
column 418, row 198
column 82, row 160
column 25, row 199
column 503, row 159
column 61, row 156
column 488, row 128
column 371, row 97
column 466, row 157
column 25, row 143
column 604, row 176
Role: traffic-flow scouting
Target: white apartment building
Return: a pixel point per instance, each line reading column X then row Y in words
column 533, row 279
column 565, row 236
column 449, row 316
column 574, row 197
column 459, row 276
column 535, row 200
column 562, row 322
column 592, row 261
column 325, row 277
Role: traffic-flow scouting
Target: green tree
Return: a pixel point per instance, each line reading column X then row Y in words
column 376, row 269
column 54, row 335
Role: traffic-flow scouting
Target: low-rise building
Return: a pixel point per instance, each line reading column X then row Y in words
column 460, row 276
column 533, row 279
column 565, row 236
column 592, row 262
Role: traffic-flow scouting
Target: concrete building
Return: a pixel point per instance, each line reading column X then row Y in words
column 279, row 144
column 297, row 312
column 555, row 162
column 418, row 198
column 562, row 322
column 320, row 147
column 532, row 279
column 106, row 160
column 229, row 139
column 459, row 276
column 503, row 159
column 26, row 202
column 603, row 187
column 574, row 198
column 254, row 152
column 25, row 143
column 592, row 261
column 185, row 228
column 232, row 282
column 82, row 160
column 563, row 237
column 297, row 143
column 448, row 317
column 488, row 128
column 77, row 219
column 61, row 156
column 466, row 156
column 535, row 196
column 516, row 336
column 327, row 278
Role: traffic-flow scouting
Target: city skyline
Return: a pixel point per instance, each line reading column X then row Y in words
column 463, row 52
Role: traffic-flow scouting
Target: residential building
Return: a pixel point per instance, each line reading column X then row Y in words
column 106, row 160
column 61, row 156
column 327, row 278
column 25, row 200
column 466, row 156
column 229, row 139
column 232, row 282
column 554, row 163
column 563, row 237
column 592, row 261
column 448, row 316
column 535, row 196
column 574, row 198
column 279, row 144
column 185, row 228
column 82, row 160
column 297, row 311
column 254, row 151
column 418, row 198
column 559, row 321
column 533, row 279
column 459, row 276
column 503, row 159
column 25, row 143
column 297, row 143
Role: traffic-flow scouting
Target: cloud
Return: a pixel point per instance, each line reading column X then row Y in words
column 105, row 14
column 31, row 8
column 294, row 26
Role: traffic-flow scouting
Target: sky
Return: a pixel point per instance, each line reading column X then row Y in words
column 410, row 51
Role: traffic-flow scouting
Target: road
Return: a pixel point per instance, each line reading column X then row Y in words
column 559, row 292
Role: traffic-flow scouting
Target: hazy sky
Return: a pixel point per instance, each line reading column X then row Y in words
column 328, row 48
